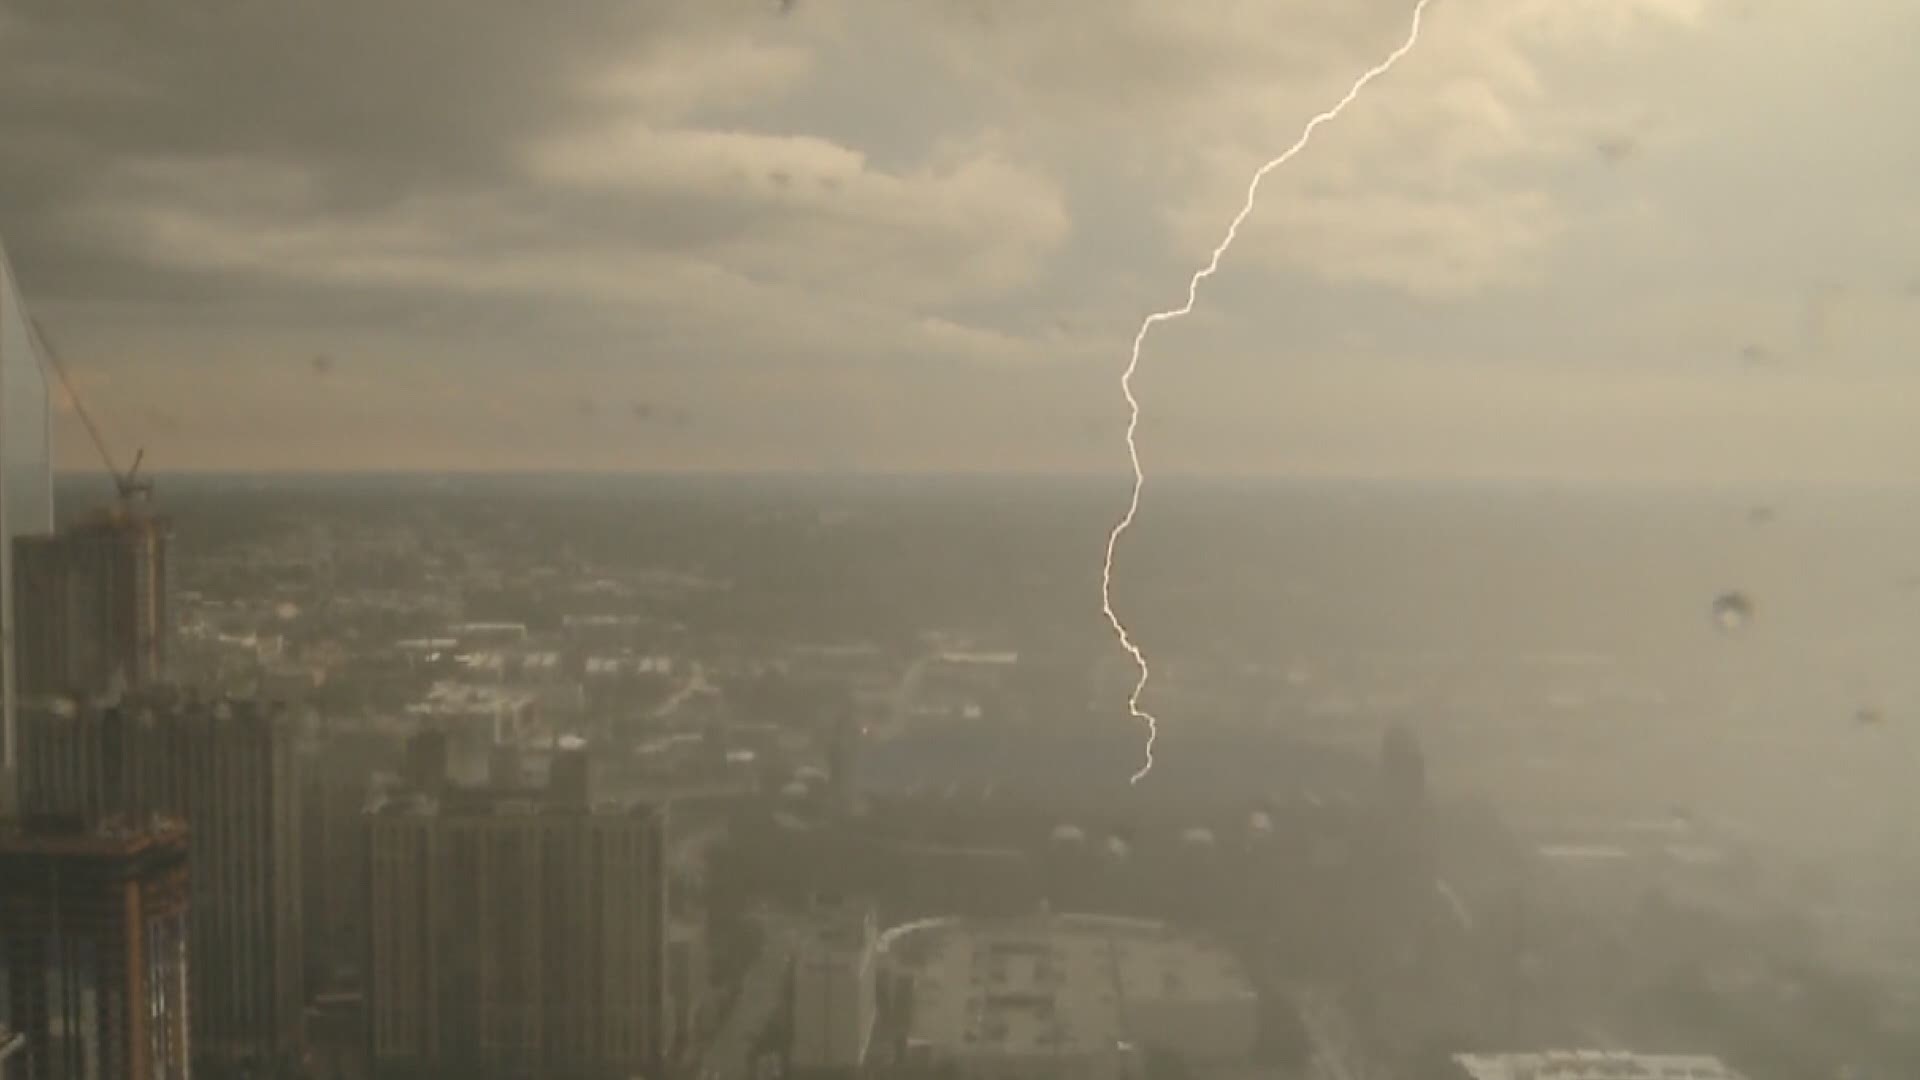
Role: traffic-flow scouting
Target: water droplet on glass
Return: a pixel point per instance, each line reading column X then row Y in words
column 1732, row 612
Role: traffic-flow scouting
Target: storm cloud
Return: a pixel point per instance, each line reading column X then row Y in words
column 917, row 236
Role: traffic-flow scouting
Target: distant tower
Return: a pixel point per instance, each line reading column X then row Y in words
column 1405, row 895
column 843, row 762
column 572, row 780
column 832, row 998
column 427, row 763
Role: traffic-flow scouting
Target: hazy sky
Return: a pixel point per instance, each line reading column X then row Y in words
column 1569, row 238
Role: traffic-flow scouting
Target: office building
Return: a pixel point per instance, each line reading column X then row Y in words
column 335, row 774
column 26, row 483
column 833, row 992
column 517, row 934
column 690, row 991
column 90, row 606
column 227, row 769
column 843, row 760
column 93, row 951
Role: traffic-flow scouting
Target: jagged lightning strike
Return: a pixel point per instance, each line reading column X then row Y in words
column 1133, row 365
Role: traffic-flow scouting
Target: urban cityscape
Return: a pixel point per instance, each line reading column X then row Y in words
column 355, row 735
column 413, row 778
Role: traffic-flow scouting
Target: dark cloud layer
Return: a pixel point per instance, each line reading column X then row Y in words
column 925, row 232
column 375, row 101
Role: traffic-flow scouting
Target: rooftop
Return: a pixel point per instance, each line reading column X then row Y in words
column 61, row 836
column 1065, row 984
column 109, row 520
column 482, row 802
column 449, row 698
column 971, row 658
column 1593, row 1065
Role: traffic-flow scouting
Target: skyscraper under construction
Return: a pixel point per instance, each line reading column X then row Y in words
column 90, row 605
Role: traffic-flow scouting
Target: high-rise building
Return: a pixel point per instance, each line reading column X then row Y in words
column 93, row 950
column 226, row 768
column 26, row 482
column 843, row 759
column 336, row 773
column 516, row 936
column 833, row 991
column 90, row 605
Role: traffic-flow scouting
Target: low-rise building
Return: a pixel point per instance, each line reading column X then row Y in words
column 502, row 714
column 1592, row 1065
column 1066, row 996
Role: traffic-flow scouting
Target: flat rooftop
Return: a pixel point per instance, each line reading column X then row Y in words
column 461, row 804
column 1594, row 1065
column 104, row 840
column 1059, row 985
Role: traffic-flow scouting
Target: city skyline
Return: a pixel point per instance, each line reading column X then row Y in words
column 566, row 540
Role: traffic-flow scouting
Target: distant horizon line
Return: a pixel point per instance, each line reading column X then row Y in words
column 1304, row 479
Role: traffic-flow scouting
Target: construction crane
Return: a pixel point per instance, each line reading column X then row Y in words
column 130, row 485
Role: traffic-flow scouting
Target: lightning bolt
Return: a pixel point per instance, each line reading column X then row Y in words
column 1133, row 366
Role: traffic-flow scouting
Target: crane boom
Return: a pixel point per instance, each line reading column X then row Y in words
column 123, row 482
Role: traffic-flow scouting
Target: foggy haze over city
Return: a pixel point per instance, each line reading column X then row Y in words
column 567, row 542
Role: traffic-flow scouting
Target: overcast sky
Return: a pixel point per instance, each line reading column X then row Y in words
column 1575, row 239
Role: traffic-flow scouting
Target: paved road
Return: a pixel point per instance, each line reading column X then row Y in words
column 728, row 1056
column 696, row 683
column 905, row 693
column 1337, row 1054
